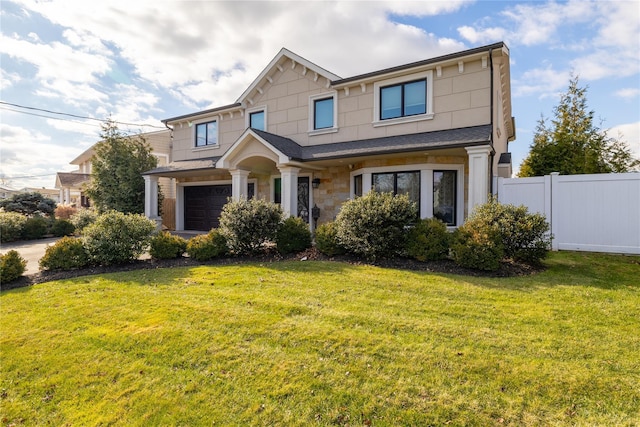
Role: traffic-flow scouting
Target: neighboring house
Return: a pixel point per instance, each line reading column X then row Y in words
column 71, row 184
column 301, row 136
column 7, row 192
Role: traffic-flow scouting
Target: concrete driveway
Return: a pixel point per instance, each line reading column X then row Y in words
column 30, row 250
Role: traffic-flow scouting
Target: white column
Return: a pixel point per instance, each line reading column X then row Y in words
column 478, row 175
column 239, row 184
column 289, row 201
column 151, row 197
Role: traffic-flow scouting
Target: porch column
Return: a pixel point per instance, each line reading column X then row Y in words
column 289, row 201
column 239, row 184
column 67, row 196
column 151, row 198
column 478, row 175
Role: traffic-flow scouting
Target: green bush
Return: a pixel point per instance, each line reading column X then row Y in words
column 67, row 253
column 477, row 249
column 29, row 204
column 293, row 236
column 207, row 246
column 249, row 224
column 375, row 225
column 12, row 266
column 524, row 236
column 35, row 228
column 428, row 240
column 62, row 227
column 11, row 224
column 165, row 245
column 83, row 218
column 327, row 239
column 116, row 238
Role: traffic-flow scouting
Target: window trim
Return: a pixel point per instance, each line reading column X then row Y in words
column 426, row 185
column 195, row 125
column 312, row 108
column 253, row 110
column 377, row 99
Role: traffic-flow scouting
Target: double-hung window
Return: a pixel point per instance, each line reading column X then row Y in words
column 404, row 99
column 207, row 134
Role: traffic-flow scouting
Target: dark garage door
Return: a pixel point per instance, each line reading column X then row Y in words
column 203, row 206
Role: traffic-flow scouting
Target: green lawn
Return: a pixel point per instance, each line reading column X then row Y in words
column 322, row 343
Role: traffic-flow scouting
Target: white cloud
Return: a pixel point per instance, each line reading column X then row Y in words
column 163, row 40
column 542, row 82
column 628, row 93
column 8, row 79
column 630, row 133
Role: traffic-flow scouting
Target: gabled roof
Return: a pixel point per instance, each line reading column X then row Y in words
column 277, row 61
column 71, row 179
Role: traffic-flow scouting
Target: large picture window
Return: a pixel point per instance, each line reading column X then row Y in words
column 444, row 196
column 207, row 134
column 404, row 99
column 398, row 183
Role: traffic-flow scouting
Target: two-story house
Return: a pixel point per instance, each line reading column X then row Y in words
column 71, row 184
column 303, row 137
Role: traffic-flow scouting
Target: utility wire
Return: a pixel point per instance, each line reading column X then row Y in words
column 75, row 115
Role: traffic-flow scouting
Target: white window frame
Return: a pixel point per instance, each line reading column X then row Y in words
column 194, row 134
column 312, row 99
column 248, row 113
column 428, row 115
column 426, row 185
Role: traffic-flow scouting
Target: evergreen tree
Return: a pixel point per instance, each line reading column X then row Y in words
column 117, row 167
column 573, row 144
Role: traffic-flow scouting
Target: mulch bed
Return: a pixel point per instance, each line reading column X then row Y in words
column 507, row 268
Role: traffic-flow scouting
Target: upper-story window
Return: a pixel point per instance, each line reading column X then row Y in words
column 403, row 99
column 256, row 120
column 207, row 134
column 323, row 115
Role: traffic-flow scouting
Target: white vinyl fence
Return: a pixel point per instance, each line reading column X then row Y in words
column 597, row 213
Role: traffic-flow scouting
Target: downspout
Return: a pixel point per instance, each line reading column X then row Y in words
column 493, row 152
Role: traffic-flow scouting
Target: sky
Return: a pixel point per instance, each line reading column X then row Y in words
column 142, row 61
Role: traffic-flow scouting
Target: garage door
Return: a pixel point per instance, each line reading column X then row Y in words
column 203, row 206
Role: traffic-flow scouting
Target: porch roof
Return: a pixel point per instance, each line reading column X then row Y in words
column 72, row 179
column 450, row 138
column 184, row 166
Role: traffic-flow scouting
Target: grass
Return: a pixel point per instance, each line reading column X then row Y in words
column 321, row 343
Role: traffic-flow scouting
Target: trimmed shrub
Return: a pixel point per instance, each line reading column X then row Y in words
column 293, row 236
column 249, row 224
column 477, row 249
column 83, row 218
column 62, row 227
column 11, row 224
column 12, row 266
column 428, row 240
column 65, row 211
column 327, row 239
column 524, row 236
column 207, row 246
column 29, row 204
column 375, row 225
column 35, row 228
column 116, row 238
column 67, row 253
column 165, row 245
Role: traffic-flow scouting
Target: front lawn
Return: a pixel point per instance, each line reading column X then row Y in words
column 325, row 343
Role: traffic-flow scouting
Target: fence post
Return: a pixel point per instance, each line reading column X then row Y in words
column 500, row 188
column 551, row 188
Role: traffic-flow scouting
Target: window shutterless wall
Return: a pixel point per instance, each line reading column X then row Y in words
column 426, row 184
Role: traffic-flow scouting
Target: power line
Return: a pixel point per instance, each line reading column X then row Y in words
column 48, row 117
column 75, row 115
